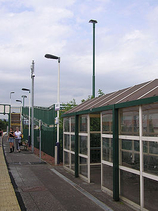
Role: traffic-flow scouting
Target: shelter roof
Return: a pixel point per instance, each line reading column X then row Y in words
column 136, row 92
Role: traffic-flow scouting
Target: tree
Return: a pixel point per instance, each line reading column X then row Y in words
column 100, row 93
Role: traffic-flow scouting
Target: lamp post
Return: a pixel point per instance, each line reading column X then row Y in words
column 20, row 110
column 28, row 90
column 10, row 109
column 23, row 97
column 94, row 22
column 49, row 56
column 32, row 121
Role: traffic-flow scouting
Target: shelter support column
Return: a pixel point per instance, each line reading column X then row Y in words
column 76, row 145
column 115, row 155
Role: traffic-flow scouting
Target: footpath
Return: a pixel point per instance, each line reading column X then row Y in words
column 39, row 186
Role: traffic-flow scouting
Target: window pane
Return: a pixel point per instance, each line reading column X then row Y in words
column 107, row 149
column 150, row 151
column 129, row 157
column 73, row 162
column 72, row 143
column 150, row 194
column 83, row 145
column 129, row 121
column 107, row 122
column 130, row 186
column 150, row 121
column 107, row 177
column 83, row 167
column 95, row 148
column 66, row 159
column 66, row 141
column 95, row 124
column 83, row 124
column 72, row 124
column 66, row 124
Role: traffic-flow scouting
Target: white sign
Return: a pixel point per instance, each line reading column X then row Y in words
column 57, row 106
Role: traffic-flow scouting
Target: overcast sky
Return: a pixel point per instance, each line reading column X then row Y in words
column 126, row 47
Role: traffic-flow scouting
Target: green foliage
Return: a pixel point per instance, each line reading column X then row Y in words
column 100, row 93
column 3, row 125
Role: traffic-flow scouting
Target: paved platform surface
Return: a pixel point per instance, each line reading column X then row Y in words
column 8, row 199
column 42, row 187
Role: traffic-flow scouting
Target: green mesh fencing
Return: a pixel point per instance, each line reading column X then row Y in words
column 48, row 131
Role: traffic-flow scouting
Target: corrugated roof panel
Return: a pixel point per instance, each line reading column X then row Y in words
column 140, row 91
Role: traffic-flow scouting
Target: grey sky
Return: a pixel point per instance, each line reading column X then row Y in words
column 126, row 46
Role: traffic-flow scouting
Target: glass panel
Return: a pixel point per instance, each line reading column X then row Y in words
column 150, row 121
column 129, row 121
column 72, row 124
column 95, row 148
column 83, row 167
column 66, row 141
column 72, row 143
column 66, row 124
column 107, row 149
column 83, row 145
column 73, row 162
column 83, row 124
column 150, row 194
column 94, row 123
column 129, row 156
column 107, row 122
column 130, row 186
column 150, row 151
column 107, row 177
column 66, row 159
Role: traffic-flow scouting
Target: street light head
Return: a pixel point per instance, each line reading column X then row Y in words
column 25, row 89
column 19, row 101
column 93, row 21
column 12, row 92
column 24, row 96
column 50, row 56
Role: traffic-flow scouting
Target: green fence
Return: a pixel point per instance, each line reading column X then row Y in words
column 48, row 130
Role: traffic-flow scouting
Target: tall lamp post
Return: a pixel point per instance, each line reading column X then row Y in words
column 28, row 90
column 32, row 121
column 23, row 97
column 94, row 22
column 10, row 109
column 49, row 56
column 20, row 109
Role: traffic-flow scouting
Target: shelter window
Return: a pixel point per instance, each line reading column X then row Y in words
column 150, row 121
column 66, row 125
column 150, row 153
column 129, row 121
column 83, row 124
column 107, row 122
column 129, row 154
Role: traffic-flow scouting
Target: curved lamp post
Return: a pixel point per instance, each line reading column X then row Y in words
column 50, row 56
column 10, row 109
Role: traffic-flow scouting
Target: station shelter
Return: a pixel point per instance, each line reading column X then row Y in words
column 113, row 140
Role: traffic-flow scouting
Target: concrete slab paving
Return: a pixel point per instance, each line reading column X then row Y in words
column 38, row 186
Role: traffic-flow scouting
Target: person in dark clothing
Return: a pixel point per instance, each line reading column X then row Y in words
column 11, row 140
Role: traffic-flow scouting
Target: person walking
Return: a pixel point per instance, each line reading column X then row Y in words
column 11, row 139
column 18, row 136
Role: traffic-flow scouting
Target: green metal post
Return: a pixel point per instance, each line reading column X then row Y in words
column 76, row 145
column 94, row 59
column 94, row 22
column 115, row 155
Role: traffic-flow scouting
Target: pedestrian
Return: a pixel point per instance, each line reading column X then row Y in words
column 18, row 136
column 11, row 140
